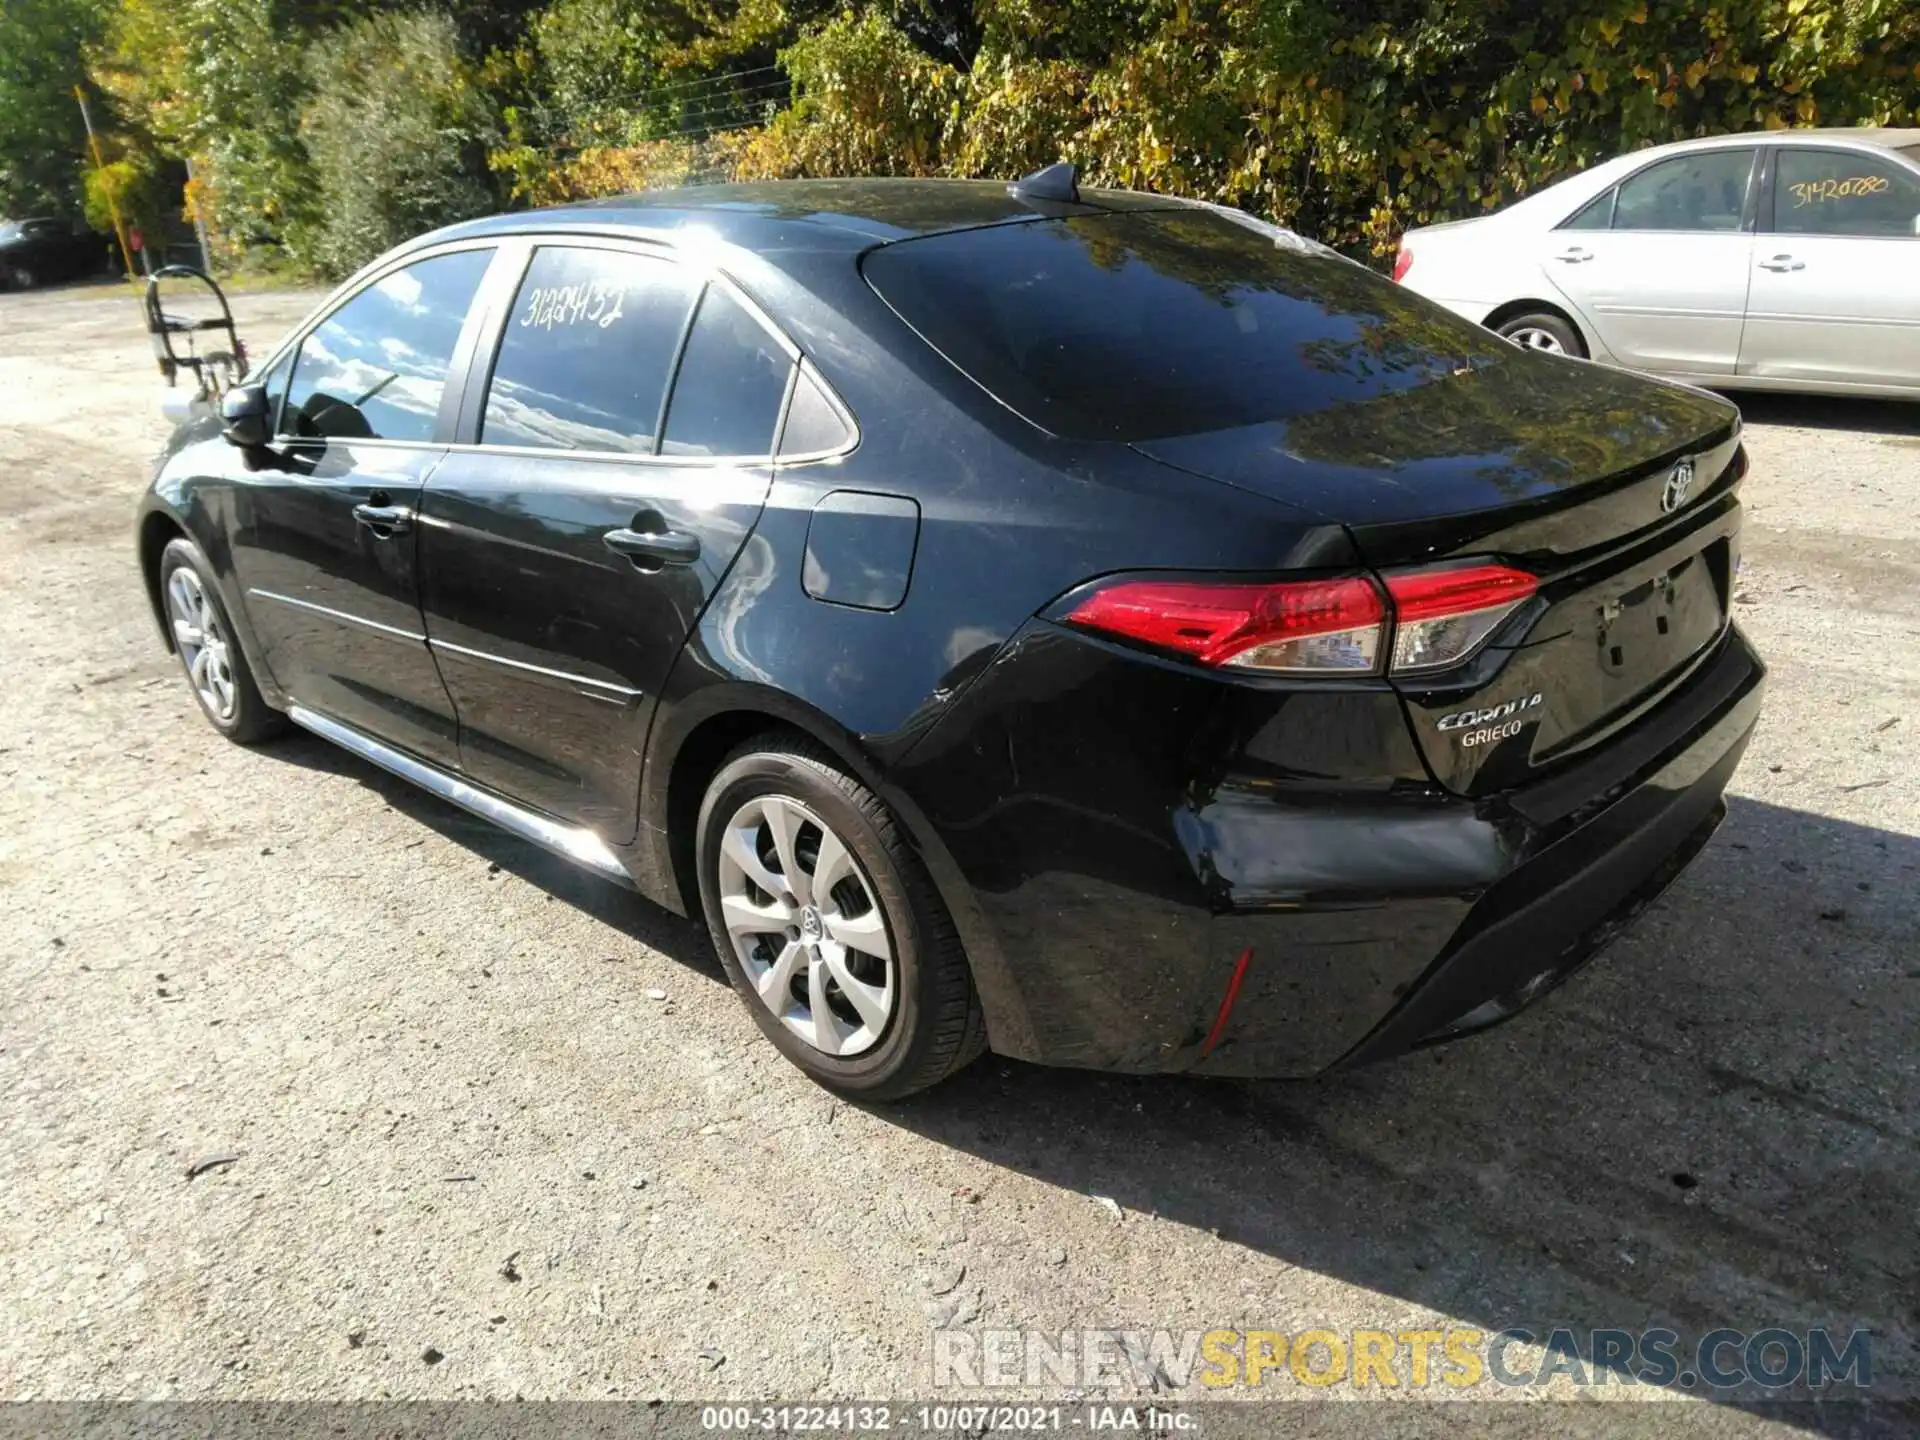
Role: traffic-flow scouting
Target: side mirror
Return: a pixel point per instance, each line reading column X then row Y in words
column 247, row 415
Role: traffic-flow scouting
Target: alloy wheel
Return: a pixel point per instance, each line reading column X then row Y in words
column 806, row 926
column 202, row 644
column 1531, row 337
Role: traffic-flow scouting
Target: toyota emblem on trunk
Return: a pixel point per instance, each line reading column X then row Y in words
column 1679, row 482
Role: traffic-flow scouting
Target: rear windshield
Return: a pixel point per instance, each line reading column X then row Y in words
column 1174, row 322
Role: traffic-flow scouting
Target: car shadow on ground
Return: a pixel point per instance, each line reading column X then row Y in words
column 1712, row 1125
column 682, row 940
column 1828, row 412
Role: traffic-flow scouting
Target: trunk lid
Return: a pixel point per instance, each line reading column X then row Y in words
column 1571, row 471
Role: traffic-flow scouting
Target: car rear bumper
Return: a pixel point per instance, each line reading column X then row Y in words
column 1594, row 847
column 1315, row 928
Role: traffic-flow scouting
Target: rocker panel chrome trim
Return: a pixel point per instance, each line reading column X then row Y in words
column 571, row 842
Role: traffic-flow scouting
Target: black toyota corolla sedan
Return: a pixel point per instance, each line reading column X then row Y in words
column 1096, row 627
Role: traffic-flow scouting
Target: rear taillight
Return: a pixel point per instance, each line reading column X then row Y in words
column 1428, row 620
column 1319, row 626
column 1442, row 616
column 1402, row 263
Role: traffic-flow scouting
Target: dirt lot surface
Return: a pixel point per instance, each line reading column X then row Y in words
column 478, row 1156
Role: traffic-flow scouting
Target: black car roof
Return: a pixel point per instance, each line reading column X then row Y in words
column 850, row 214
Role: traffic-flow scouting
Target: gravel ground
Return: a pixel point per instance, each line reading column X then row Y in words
column 478, row 1156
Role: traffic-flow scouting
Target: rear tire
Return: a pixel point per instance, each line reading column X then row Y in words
column 210, row 654
column 1544, row 331
column 779, row 815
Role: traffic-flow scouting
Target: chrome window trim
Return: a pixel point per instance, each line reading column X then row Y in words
column 613, row 457
column 370, row 275
column 1884, row 153
column 528, row 242
column 839, row 408
column 1755, row 169
column 786, row 404
column 658, row 248
column 708, row 274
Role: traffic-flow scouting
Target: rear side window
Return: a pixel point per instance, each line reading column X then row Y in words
column 1836, row 192
column 1149, row 324
column 733, row 376
column 375, row 368
column 586, row 351
column 814, row 423
column 1598, row 214
column 1707, row 191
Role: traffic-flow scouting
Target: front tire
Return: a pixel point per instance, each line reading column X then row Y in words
column 1543, row 331
column 210, row 654
column 829, row 926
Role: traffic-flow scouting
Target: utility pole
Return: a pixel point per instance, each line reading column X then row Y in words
column 99, row 164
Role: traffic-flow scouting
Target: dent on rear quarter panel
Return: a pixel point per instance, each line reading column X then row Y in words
column 1123, row 824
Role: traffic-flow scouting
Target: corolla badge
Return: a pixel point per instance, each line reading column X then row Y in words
column 1679, row 485
column 1474, row 728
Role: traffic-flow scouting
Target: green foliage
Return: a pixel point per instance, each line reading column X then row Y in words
column 600, row 64
column 132, row 187
column 221, row 82
column 325, row 129
column 42, row 139
column 1349, row 122
column 397, row 134
column 1421, row 110
column 867, row 102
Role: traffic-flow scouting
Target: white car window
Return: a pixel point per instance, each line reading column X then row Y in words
column 1707, row 191
column 1843, row 192
column 1597, row 214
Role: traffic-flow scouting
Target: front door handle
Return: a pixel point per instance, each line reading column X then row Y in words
column 1574, row 255
column 1779, row 264
column 385, row 521
column 654, row 548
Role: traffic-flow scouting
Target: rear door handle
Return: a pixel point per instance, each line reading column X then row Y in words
column 662, row 547
column 1782, row 263
column 385, row 520
column 1574, row 255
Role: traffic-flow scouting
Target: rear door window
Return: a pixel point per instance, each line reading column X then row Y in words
column 733, row 376
column 587, row 350
column 376, row 368
column 1707, row 191
column 814, row 424
column 1149, row 324
column 1843, row 192
column 1597, row 214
